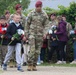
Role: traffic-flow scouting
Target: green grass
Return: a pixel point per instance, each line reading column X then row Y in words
column 61, row 65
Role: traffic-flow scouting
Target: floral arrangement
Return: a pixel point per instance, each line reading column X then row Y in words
column 18, row 35
column 4, row 29
column 52, row 29
column 72, row 33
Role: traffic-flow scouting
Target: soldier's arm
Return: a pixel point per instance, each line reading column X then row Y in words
column 28, row 23
column 46, row 25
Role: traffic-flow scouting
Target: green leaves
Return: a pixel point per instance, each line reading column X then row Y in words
column 70, row 12
column 10, row 4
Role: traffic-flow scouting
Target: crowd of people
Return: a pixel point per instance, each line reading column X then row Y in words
column 26, row 39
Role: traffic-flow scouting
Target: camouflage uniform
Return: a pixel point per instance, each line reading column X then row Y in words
column 37, row 25
column 68, row 28
column 54, row 22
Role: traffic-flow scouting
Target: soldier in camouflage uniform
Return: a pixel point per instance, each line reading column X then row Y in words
column 37, row 25
column 53, row 19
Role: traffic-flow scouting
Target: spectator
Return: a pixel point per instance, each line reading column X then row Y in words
column 53, row 22
column 7, row 15
column 63, row 38
column 74, row 46
column 54, row 42
column 43, row 50
column 53, row 19
column 68, row 26
column 15, row 44
column 3, row 38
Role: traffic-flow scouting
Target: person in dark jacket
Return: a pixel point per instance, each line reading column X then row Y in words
column 15, row 43
column 53, row 43
column 43, row 50
column 63, row 38
column 3, row 38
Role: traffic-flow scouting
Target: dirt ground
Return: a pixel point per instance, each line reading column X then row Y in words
column 42, row 70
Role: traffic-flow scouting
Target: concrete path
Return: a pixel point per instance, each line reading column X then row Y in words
column 42, row 70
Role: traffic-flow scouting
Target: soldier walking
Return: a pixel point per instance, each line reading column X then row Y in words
column 37, row 25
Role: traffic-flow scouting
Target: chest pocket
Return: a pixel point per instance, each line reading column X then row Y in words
column 38, row 18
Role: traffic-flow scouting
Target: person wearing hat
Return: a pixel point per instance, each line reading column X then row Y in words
column 53, row 22
column 37, row 24
column 7, row 15
column 18, row 9
column 53, row 19
column 3, row 38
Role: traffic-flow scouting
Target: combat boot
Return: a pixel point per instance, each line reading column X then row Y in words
column 34, row 68
column 29, row 68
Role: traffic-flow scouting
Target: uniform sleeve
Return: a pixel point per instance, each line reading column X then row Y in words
column 27, row 25
column 46, row 25
column 23, row 20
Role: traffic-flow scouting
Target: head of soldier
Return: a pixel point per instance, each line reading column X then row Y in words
column 64, row 17
column 53, row 16
column 18, row 8
column 3, row 20
column 38, row 6
column 16, row 18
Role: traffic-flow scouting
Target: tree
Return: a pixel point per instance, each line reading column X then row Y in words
column 10, row 4
column 50, row 10
column 72, row 13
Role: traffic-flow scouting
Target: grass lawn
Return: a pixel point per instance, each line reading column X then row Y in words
column 63, row 65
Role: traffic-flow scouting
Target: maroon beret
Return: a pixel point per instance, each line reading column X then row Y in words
column 18, row 6
column 38, row 3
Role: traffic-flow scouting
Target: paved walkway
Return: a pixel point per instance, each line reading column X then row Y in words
column 42, row 70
